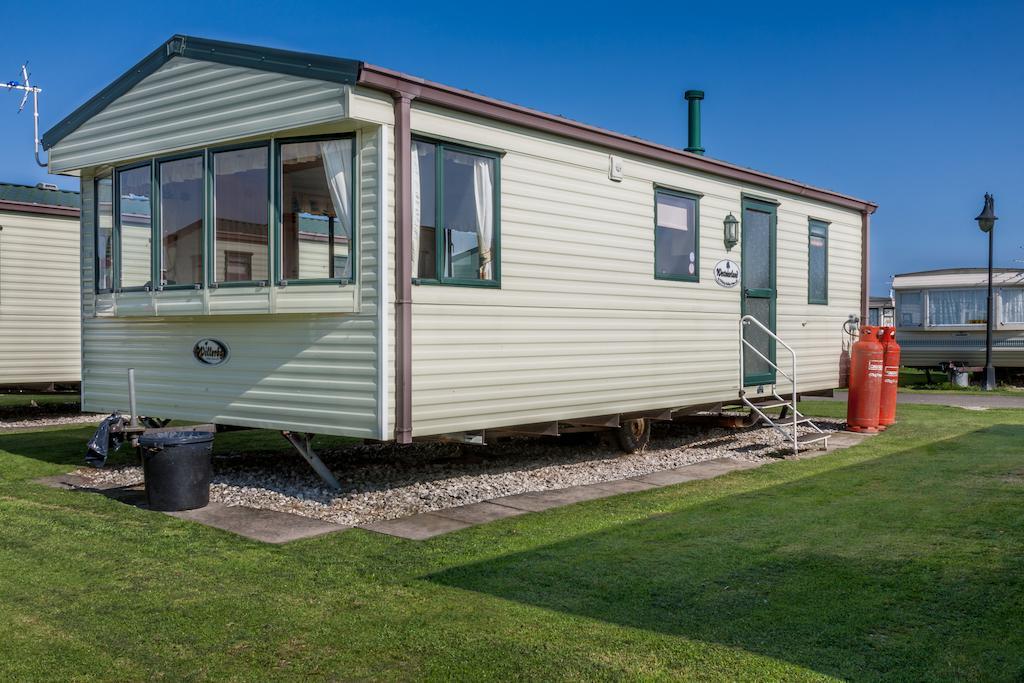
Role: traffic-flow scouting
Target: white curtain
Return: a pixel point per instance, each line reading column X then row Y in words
column 483, row 193
column 1011, row 308
column 337, row 156
column 957, row 306
column 414, row 165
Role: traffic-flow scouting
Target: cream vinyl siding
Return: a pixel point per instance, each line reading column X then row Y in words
column 39, row 319
column 307, row 371
column 580, row 327
column 188, row 103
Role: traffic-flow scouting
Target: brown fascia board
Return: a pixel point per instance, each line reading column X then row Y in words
column 25, row 207
column 379, row 78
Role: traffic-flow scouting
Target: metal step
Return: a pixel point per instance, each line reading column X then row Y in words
column 812, row 438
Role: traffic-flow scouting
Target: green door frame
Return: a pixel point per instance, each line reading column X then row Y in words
column 771, row 294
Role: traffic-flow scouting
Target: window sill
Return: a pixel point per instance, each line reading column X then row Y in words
column 677, row 278
column 236, row 299
column 481, row 284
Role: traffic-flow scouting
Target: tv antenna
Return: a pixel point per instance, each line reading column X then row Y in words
column 28, row 89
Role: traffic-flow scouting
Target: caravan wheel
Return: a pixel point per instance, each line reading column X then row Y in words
column 634, row 435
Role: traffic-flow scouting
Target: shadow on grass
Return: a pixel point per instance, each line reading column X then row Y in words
column 905, row 566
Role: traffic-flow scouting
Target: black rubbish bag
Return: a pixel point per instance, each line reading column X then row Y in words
column 109, row 436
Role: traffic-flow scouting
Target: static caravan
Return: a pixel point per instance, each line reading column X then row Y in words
column 40, row 316
column 318, row 245
column 941, row 317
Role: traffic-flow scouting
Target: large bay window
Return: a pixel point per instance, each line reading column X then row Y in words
column 316, row 210
column 455, row 214
column 180, row 183
column 950, row 307
column 205, row 218
column 135, row 223
column 241, row 212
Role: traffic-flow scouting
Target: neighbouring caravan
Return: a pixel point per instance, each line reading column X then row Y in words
column 40, row 315
column 941, row 317
column 310, row 244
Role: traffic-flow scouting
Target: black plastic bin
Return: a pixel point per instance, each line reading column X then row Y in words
column 177, row 468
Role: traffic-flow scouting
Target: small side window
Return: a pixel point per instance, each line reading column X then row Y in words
column 908, row 309
column 135, row 226
column 104, row 197
column 817, row 262
column 676, row 239
column 456, row 215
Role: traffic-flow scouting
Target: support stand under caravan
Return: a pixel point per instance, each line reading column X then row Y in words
column 304, row 446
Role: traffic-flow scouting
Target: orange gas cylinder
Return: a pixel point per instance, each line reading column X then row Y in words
column 890, row 377
column 866, row 361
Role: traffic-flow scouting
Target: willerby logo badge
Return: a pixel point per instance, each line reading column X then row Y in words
column 210, row 351
column 727, row 273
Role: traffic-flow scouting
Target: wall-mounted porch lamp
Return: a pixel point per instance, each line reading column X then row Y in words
column 732, row 231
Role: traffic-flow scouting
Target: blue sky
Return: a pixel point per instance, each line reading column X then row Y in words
column 916, row 106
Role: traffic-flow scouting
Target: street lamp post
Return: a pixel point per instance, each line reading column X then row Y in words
column 987, row 222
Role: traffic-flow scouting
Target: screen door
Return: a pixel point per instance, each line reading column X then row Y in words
column 758, row 279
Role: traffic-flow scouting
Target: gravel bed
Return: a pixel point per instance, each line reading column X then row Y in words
column 385, row 481
column 49, row 421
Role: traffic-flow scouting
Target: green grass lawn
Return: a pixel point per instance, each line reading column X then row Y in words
column 902, row 558
column 913, row 380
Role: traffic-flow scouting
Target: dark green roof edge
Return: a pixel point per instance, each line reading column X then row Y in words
column 306, row 65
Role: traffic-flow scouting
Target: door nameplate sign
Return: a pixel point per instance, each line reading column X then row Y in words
column 727, row 273
column 210, row 352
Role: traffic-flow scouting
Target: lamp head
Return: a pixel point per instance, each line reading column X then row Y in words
column 987, row 218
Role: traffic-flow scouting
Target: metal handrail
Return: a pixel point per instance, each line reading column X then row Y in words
column 746, row 320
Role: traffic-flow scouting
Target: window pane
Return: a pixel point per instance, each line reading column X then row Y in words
column 181, row 221
column 675, row 236
column 757, row 249
column 468, row 181
column 424, row 210
column 817, row 258
column 316, row 191
column 135, row 216
column 908, row 305
column 1012, row 305
column 957, row 306
column 240, row 210
column 873, row 316
column 753, row 364
column 104, row 233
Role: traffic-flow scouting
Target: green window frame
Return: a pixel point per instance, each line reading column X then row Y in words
column 118, row 260
column 661, row 228
column 440, row 147
column 107, row 176
column 817, row 238
column 277, row 212
column 157, row 245
column 210, row 257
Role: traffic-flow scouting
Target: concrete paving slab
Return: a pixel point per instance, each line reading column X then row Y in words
column 667, row 477
column 418, row 527
column 63, row 481
column 621, row 486
column 268, row 526
column 536, row 501
column 480, row 513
